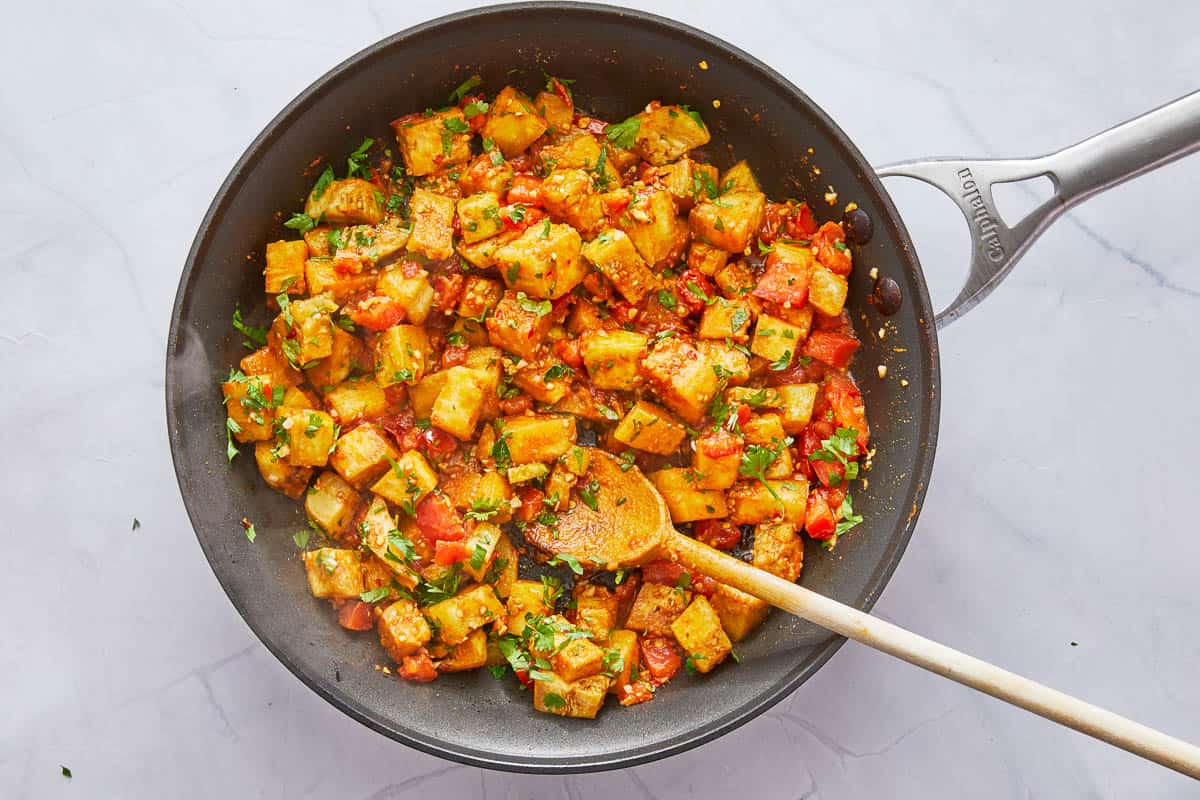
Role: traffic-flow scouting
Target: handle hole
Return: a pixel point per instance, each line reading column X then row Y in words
column 940, row 233
column 1015, row 199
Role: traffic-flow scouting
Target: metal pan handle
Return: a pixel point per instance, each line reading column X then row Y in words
column 1077, row 172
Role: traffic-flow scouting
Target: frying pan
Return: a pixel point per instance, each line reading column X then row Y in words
column 621, row 59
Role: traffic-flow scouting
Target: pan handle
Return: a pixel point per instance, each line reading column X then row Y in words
column 1077, row 172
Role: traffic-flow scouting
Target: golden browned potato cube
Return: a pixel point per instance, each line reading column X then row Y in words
column 740, row 176
column 526, row 597
column 557, row 112
column 707, row 259
column 558, row 487
column 483, row 254
column 796, row 404
column 765, row 429
column 487, row 172
column 310, row 436
column 651, row 428
column 351, row 201
column 595, row 610
column 480, row 295
column 581, row 150
column 699, row 632
column 620, row 658
column 578, row 658
column 726, row 319
column 750, row 502
column 729, row 222
column 394, row 547
column 323, row 277
column 401, row 355
column 313, row 324
column 736, row 282
column 582, row 699
column 285, row 265
column 318, row 242
column 504, row 567
column 479, row 216
column 373, row 243
column 612, row 252
column 295, row 397
column 332, row 503
column 513, row 122
column 468, row 610
column 362, row 455
column 778, row 549
column 775, row 339
column 250, row 404
column 481, row 545
column 719, row 471
column 612, row 358
column 689, row 181
column 546, row 379
column 567, row 194
column 423, row 394
column 681, row 377
column 543, row 262
column 402, row 629
column 802, row 318
column 538, row 437
column 358, row 399
column 429, row 143
column 268, row 363
column 470, row 654
column 408, row 481
column 656, row 230
column 656, row 607
column 667, row 132
column 764, row 397
column 432, row 225
column 827, row 291
column 686, row 502
column 335, row 367
column 278, row 474
column 576, row 460
column 411, row 289
column 486, row 491
column 524, row 473
column 727, row 359
column 519, row 324
column 333, row 573
column 458, row 404
column 740, row 613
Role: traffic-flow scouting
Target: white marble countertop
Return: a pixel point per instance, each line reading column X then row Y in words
column 1056, row 538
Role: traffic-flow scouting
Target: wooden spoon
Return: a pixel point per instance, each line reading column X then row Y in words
column 631, row 526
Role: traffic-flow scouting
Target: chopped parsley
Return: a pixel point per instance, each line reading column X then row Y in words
column 696, row 118
column 695, row 289
column 376, row 594
column 781, row 363
column 568, row 559
column 136, row 524
column 322, row 183
column 483, row 509
column 356, row 163
column 301, row 537
column 666, row 299
column 624, row 134
column 588, row 494
column 465, row 88
column 756, row 458
column 690, row 663
column 455, row 125
column 840, row 448
column 255, row 337
column 553, row 701
column 539, row 307
column 301, row 223
column 558, row 371
column 231, row 427
column 248, row 527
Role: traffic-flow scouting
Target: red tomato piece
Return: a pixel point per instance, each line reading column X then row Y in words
column 692, row 288
column 569, row 351
column 410, row 269
column 448, row 289
column 626, row 592
column 559, row 89
column 818, row 516
column 719, row 533
column 476, row 122
column 454, row 355
column 523, row 677
column 783, row 282
column 438, row 520
column 832, row 252
column 616, row 202
column 834, row 349
column 849, row 411
column 667, row 572
column 718, row 444
column 773, row 220
column 512, row 406
column 596, row 126
column 531, row 503
column 661, row 657
column 375, row 312
column 633, row 693
column 437, row 444
column 402, row 428
column 447, row 553
column 801, row 224
column 525, row 189
column 418, row 667
column 356, row 616
column 829, row 473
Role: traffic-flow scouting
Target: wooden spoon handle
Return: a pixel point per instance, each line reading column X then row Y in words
column 945, row 661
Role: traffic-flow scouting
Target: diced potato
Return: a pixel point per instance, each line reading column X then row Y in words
column 432, row 225
column 557, row 112
column 775, row 339
column 377, row 575
column 278, row 474
column 778, row 549
column 651, row 428
column 686, row 502
column 726, row 319
column 667, row 132
column 310, row 436
column 390, row 545
column 716, row 460
column 705, row 258
column 827, row 291
column 558, row 487
column 481, row 545
column 621, row 658
column 656, row 607
column 359, row 399
column 423, row 394
column 654, row 227
column 688, row 181
column 332, row 503
column 729, row 222
column 285, row 265
column 362, row 455
column 468, row 610
column 429, row 143
column 250, row 405
column 402, row 629
column 765, row 429
column 407, row 482
column 318, row 242
column 351, row 201
column 333, row 573
column 373, row 243
column 483, row 254
column 487, row 172
column 401, row 355
column 802, row 318
column 586, row 403
column 504, row 567
column 532, row 379
column 582, row 699
column 567, row 194
column 740, row 613
column 480, row 295
column 681, row 377
column 728, row 360
column 296, row 397
column 470, row 654
column 698, row 631
column 456, row 409
column 335, row 367
column 519, row 325
column 543, row 263
column 796, row 405
column 467, row 332
column 479, row 216
column 538, row 437
column 513, row 123
column 764, row 397
column 322, row 277
column 411, row 289
column 578, row 658
column 268, row 363
column 736, row 282
column 751, row 503
column 613, row 253
column 475, row 490
column 612, row 358
column 576, row 460
column 595, row 610
column 526, row 597
column 740, row 176
column 524, row 473
column 580, row 150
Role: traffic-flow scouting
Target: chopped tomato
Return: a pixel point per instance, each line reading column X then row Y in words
column 692, row 289
column 633, row 693
column 438, row 521
column 569, row 351
column 418, row 667
column 671, row 574
column 531, row 503
column 617, row 201
column 447, row 553
column 832, row 252
column 356, row 616
column 818, row 516
column 624, row 313
column 526, row 189
column 482, row 172
column 849, row 411
column 719, row 533
column 801, row 224
column 597, row 286
column 437, row 444
column 773, row 219
column 347, row 264
column 476, row 122
column 375, row 312
column 662, row 658
column 519, row 218
column 784, row 282
column 834, row 349
column 596, row 126
column 837, row 324
column 448, row 289
column 743, row 415
column 829, row 473
column 512, row 406
column 719, row 444
column 523, row 677
column 410, row 269
column 454, row 355
column 403, row 428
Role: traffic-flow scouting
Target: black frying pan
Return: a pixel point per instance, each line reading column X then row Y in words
column 621, row 59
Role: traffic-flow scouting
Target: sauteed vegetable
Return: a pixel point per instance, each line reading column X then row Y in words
column 465, row 312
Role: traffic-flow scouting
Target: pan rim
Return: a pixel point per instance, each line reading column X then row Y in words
column 918, row 482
